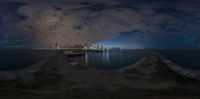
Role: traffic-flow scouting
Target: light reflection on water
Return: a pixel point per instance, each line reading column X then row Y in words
column 108, row 59
column 111, row 58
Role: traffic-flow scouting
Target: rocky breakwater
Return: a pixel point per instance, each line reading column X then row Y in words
column 59, row 75
column 184, row 71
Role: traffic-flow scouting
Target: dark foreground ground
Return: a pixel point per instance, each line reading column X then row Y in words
column 124, row 93
column 52, row 82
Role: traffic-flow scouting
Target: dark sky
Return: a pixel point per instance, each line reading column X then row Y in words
column 124, row 23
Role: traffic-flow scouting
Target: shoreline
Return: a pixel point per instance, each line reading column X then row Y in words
column 186, row 72
column 21, row 73
column 58, row 77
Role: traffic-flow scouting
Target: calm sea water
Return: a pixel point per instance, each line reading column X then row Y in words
column 18, row 59
column 186, row 57
column 108, row 59
column 113, row 58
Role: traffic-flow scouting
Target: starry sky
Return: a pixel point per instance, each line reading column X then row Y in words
column 121, row 23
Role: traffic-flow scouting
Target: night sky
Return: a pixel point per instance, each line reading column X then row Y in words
column 122, row 23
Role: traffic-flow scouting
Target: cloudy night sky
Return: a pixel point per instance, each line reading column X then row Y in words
column 123, row 23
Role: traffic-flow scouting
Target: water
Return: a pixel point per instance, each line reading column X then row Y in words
column 18, row 59
column 121, row 58
column 114, row 58
column 189, row 58
column 109, row 59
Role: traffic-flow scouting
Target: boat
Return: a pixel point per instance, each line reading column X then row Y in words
column 74, row 54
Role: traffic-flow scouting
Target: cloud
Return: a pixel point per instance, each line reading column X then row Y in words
column 76, row 22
